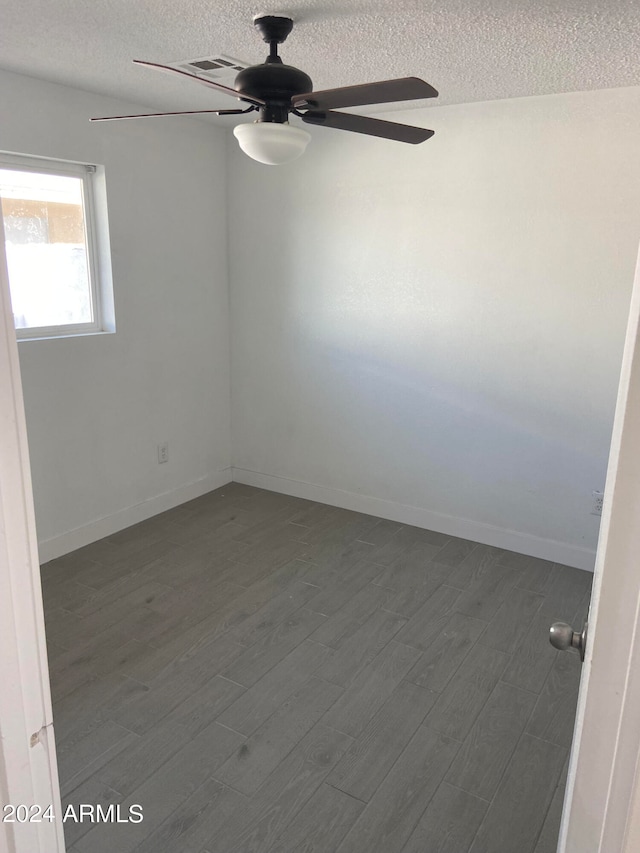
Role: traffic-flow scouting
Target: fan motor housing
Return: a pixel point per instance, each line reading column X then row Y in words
column 276, row 84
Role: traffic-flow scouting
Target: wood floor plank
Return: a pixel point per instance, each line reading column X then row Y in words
column 255, row 628
column 413, row 569
column 370, row 690
column 75, row 668
column 321, row 824
column 62, row 627
column 204, row 659
column 474, row 565
column 91, row 792
column 265, row 557
column 553, row 717
column 95, row 555
column 404, row 541
column 565, row 589
column 329, row 526
column 332, row 564
column 135, row 624
column 548, row 838
column 449, row 824
column 509, row 625
column 487, row 749
column 186, row 600
column 114, row 624
column 174, row 684
column 484, row 595
column 534, row 572
column 369, row 759
column 390, row 817
column 83, row 758
column 427, row 623
column 208, row 529
column 187, row 829
column 331, row 598
column 256, row 825
column 204, row 706
column 84, row 710
column 158, row 743
column 290, row 571
column 182, row 640
column 582, row 611
column 134, row 588
column 165, row 790
column 260, row 754
column 312, row 513
column 439, row 663
column 381, row 532
column 516, row 816
column 410, row 599
column 259, row 658
column 68, row 593
column 344, row 623
column 196, row 560
column 533, row 656
column 462, row 700
column 73, row 564
column 129, row 769
column 454, row 553
column 145, row 662
column 361, row 648
column 262, row 504
column 143, row 533
column 328, row 540
column 186, row 610
column 245, row 574
column 235, row 611
column 271, row 531
column 54, row 654
column 256, row 704
column 123, row 562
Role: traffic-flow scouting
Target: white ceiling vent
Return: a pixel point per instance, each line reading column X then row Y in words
column 219, row 67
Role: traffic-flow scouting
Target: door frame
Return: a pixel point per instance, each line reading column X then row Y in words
column 28, row 767
column 602, row 801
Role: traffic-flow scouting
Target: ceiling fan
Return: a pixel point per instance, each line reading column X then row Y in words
column 274, row 90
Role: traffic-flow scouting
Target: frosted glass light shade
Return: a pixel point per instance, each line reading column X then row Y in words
column 271, row 143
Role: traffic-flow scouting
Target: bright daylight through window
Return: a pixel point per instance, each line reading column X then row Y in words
column 51, row 232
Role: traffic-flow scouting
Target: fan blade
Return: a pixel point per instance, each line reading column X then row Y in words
column 184, row 113
column 402, row 89
column 210, row 83
column 370, row 126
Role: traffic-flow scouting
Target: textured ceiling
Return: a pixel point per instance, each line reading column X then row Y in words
column 471, row 50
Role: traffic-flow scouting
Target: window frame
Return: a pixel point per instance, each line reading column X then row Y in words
column 96, row 233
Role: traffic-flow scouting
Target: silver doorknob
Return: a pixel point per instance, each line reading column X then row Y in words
column 563, row 637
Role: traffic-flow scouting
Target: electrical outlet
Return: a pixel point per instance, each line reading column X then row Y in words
column 596, row 503
column 163, row 452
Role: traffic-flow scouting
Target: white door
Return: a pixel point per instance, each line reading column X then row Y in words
column 602, row 803
column 28, row 770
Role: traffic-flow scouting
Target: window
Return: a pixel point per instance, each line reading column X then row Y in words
column 56, row 241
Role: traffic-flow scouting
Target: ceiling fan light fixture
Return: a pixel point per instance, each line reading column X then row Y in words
column 273, row 143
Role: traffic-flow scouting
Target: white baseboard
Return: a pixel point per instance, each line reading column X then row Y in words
column 465, row 528
column 49, row 549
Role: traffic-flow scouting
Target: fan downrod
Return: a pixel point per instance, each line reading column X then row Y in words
column 273, row 81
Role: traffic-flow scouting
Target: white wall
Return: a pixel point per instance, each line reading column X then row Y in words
column 434, row 333
column 98, row 406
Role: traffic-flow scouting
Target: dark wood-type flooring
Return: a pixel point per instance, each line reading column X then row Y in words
column 263, row 674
